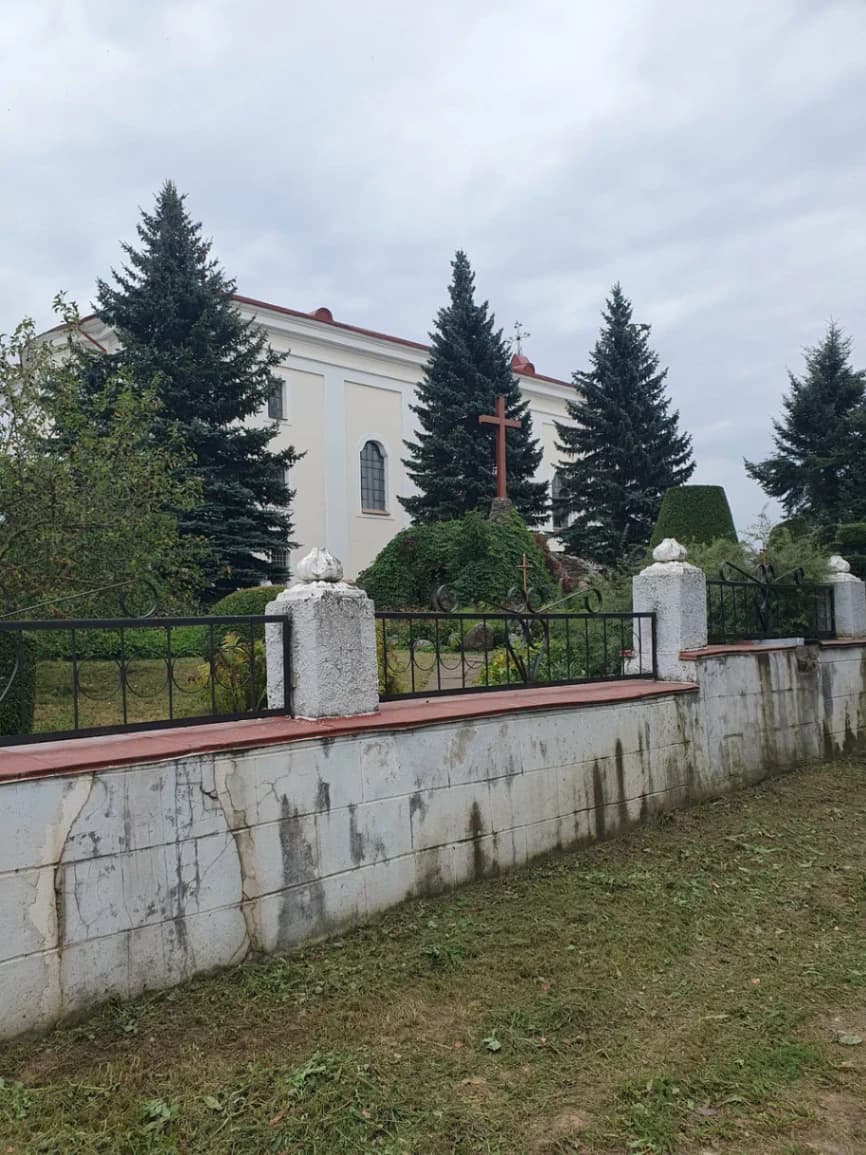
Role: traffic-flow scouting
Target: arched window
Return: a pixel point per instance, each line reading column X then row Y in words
column 373, row 478
column 558, row 502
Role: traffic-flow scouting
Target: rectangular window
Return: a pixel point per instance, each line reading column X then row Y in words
column 276, row 408
column 280, row 559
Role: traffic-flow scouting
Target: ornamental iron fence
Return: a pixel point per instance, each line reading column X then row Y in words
column 761, row 605
column 63, row 678
column 517, row 645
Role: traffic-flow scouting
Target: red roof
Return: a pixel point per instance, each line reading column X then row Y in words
column 519, row 364
column 324, row 316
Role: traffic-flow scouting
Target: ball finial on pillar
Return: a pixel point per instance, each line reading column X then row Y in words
column 676, row 593
column 332, row 643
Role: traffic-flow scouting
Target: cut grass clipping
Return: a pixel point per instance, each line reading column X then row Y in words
column 696, row 986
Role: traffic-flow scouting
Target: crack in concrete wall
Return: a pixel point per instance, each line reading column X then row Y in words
column 116, row 881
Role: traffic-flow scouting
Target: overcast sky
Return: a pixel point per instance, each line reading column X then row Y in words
column 710, row 156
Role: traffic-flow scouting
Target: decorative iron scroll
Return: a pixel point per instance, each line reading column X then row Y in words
column 747, row 604
column 517, row 601
column 124, row 590
column 518, row 640
column 527, row 634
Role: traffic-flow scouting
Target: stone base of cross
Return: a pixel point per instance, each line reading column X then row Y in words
column 500, row 509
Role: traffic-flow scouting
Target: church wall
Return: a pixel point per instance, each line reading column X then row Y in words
column 305, row 430
column 373, row 413
column 341, row 385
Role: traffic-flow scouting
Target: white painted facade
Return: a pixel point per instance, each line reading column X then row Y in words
column 342, row 387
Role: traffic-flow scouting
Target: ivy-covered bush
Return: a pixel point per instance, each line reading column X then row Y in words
column 694, row 513
column 16, row 709
column 478, row 559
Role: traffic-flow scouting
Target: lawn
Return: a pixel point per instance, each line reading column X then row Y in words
column 100, row 700
column 697, row 986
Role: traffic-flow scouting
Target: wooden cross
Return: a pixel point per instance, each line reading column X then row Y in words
column 502, row 423
column 524, row 569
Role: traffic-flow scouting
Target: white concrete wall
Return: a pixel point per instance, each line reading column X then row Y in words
column 122, row 880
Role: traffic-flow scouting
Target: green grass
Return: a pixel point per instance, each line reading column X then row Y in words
column 100, row 702
column 696, row 986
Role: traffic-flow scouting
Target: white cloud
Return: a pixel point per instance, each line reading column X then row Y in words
column 706, row 155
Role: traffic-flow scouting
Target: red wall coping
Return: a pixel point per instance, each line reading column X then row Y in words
column 80, row 755
column 761, row 648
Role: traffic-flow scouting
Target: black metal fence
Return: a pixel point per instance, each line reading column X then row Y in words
column 426, row 653
column 70, row 678
column 758, row 609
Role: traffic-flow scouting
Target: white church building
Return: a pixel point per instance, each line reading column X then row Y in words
column 345, row 403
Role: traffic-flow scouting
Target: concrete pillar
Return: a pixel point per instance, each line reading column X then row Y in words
column 677, row 593
column 332, row 643
column 849, row 599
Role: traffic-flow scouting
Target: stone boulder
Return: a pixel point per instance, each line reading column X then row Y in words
column 480, row 637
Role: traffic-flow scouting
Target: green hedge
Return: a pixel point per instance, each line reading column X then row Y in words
column 477, row 558
column 16, row 709
column 150, row 641
column 104, row 645
column 698, row 513
column 250, row 601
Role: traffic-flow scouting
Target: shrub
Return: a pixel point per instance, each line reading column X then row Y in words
column 478, row 559
column 776, row 547
column 104, row 644
column 591, row 651
column 785, row 549
column 239, row 673
column 249, row 601
column 694, row 513
column 389, row 680
column 17, row 706
column 151, row 641
column 252, row 601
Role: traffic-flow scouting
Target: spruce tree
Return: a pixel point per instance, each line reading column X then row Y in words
column 818, row 468
column 624, row 449
column 452, row 461
column 171, row 307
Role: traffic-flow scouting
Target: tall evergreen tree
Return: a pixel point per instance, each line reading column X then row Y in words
column 818, row 468
column 171, row 307
column 624, row 449
column 452, row 462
